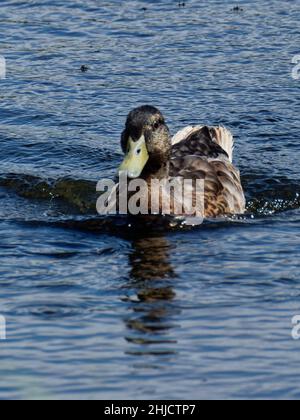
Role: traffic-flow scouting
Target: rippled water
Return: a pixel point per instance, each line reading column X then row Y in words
column 97, row 309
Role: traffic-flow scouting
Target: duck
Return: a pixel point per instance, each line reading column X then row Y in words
column 200, row 153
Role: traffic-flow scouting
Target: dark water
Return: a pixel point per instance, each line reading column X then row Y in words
column 96, row 309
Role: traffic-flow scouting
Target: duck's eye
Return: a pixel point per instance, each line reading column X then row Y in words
column 138, row 152
column 156, row 125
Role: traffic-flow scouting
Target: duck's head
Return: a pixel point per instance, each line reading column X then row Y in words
column 145, row 141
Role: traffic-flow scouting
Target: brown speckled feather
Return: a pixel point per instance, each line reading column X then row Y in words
column 206, row 153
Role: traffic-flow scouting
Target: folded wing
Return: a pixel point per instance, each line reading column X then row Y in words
column 206, row 153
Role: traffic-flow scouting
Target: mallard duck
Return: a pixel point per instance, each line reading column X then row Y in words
column 199, row 152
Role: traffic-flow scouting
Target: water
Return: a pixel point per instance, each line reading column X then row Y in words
column 97, row 309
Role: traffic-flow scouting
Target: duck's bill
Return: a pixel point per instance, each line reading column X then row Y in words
column 136, row 158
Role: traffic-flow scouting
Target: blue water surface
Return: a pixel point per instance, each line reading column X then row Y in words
column 98, row 309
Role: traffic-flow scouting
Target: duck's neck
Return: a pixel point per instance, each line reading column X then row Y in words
column 154, row 171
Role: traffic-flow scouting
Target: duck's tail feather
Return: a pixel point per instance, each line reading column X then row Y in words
column 224, row 138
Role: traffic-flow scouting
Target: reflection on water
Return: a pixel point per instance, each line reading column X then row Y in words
column 150, row 259
column 153, row 305
column 211, row 303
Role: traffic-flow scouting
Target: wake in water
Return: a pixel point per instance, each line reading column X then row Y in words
column 72, row 203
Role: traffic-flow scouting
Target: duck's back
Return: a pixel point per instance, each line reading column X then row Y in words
column 206, row 153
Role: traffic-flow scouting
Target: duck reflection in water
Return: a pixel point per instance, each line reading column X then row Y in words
column 152, row 306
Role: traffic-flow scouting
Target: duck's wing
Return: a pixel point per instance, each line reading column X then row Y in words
column 202, row 139
column 202, row 155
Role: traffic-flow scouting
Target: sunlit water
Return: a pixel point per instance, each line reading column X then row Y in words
column 97, row 309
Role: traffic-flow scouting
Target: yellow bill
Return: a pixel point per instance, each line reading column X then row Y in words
column 136, row 158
